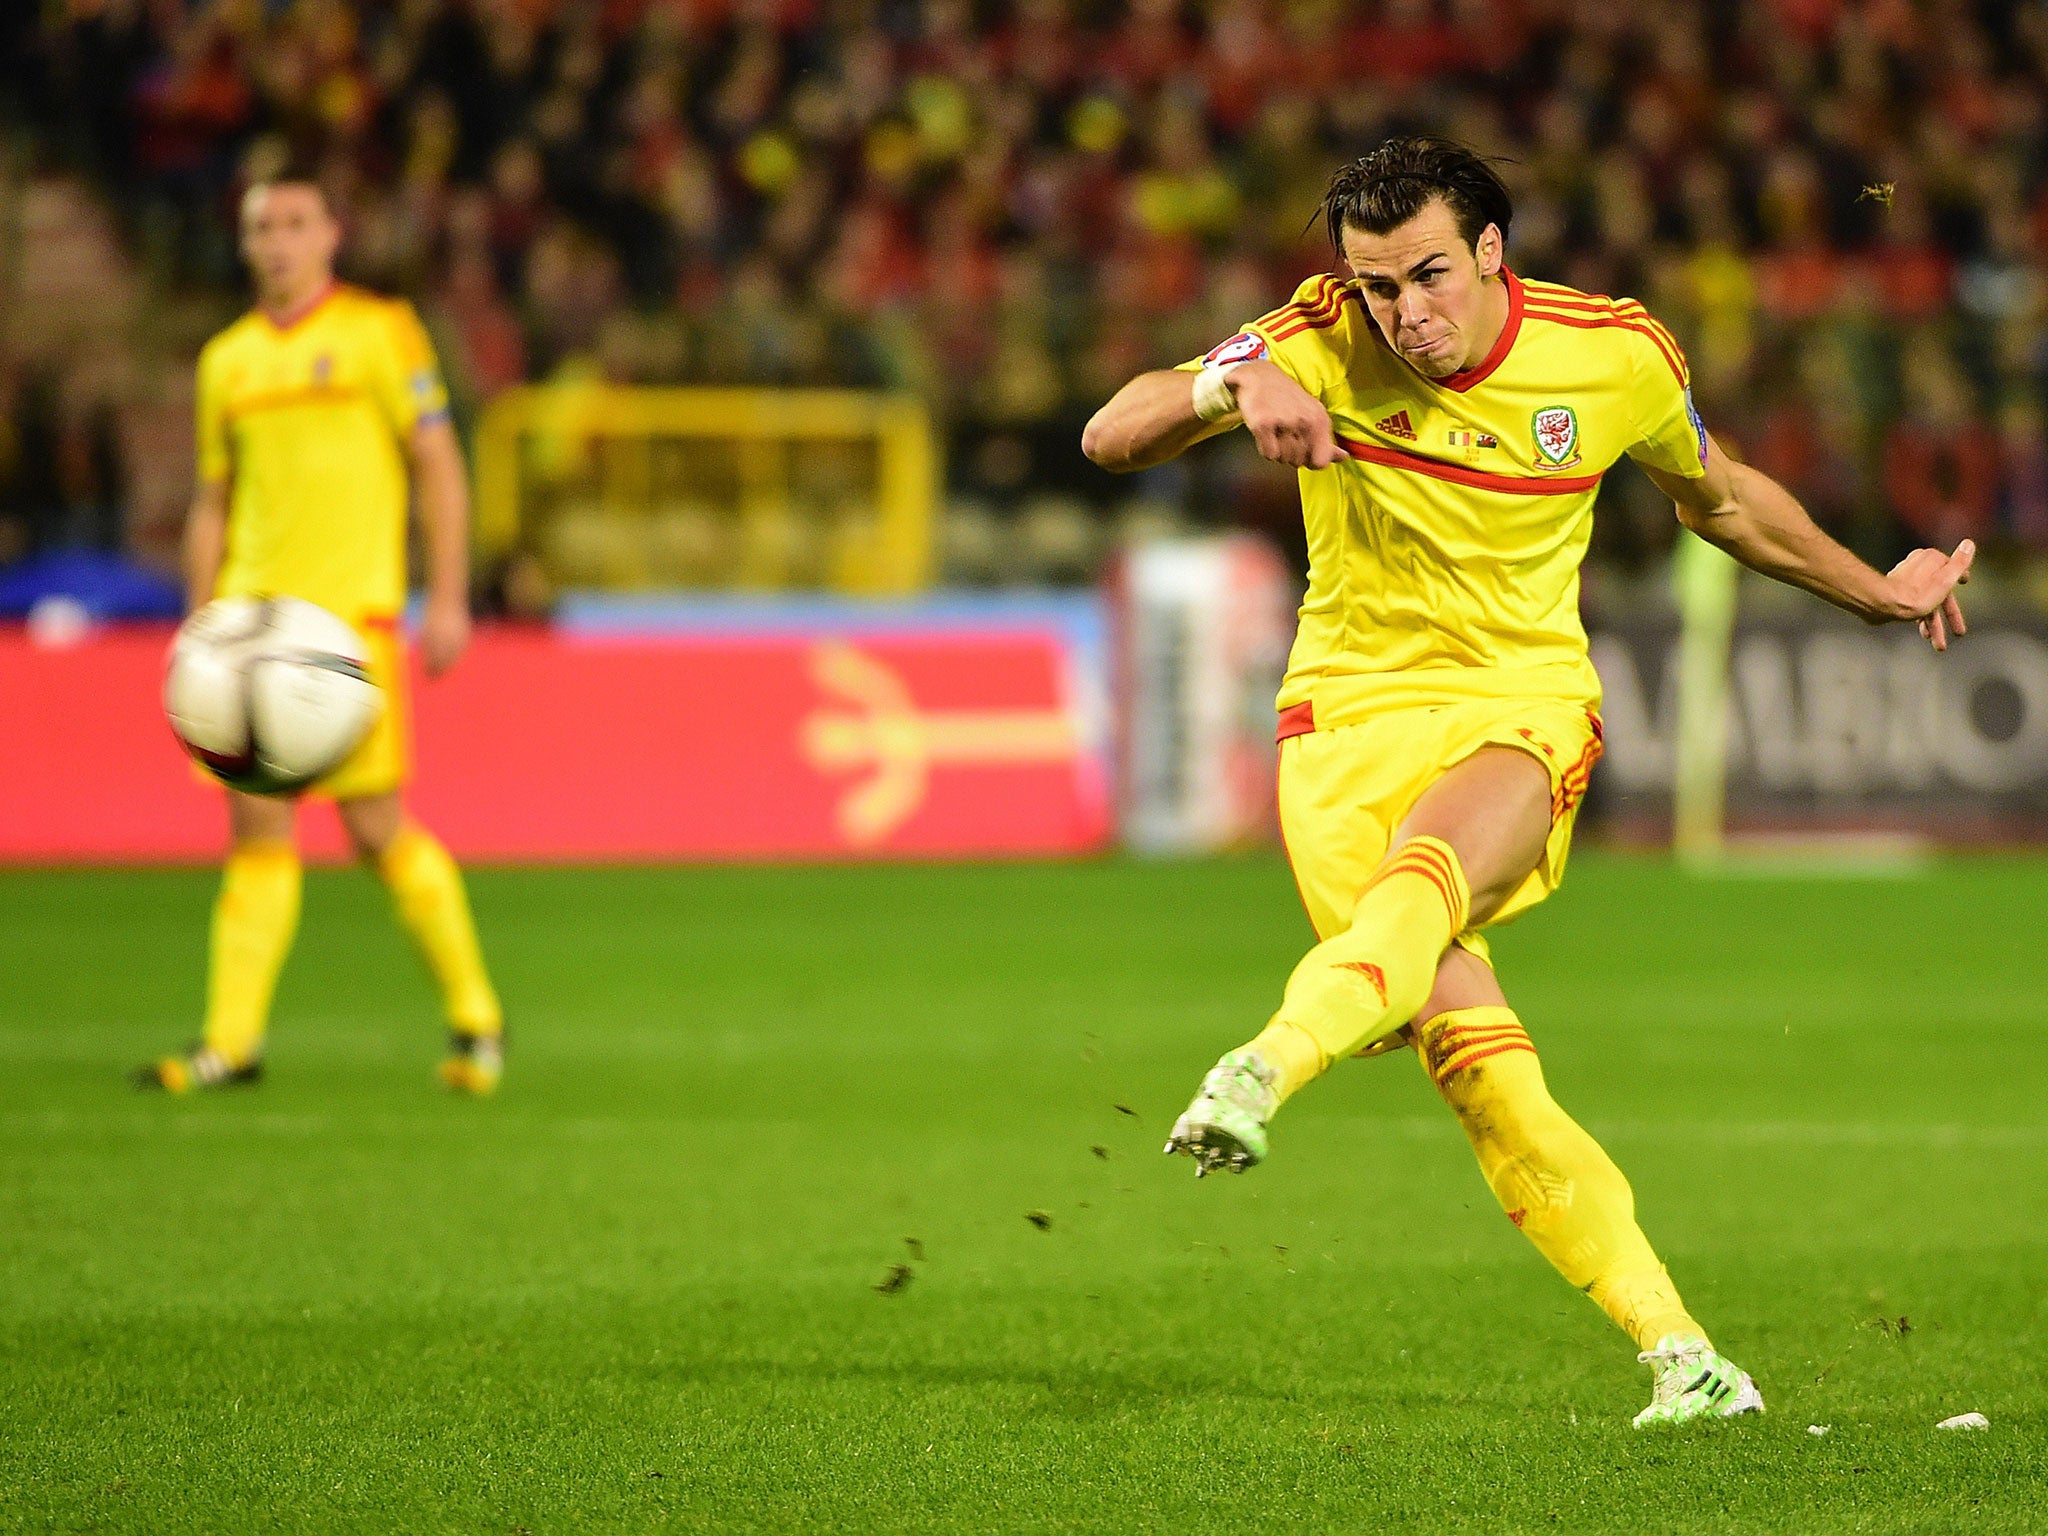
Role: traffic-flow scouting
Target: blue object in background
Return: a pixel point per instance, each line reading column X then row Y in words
column 107, row 586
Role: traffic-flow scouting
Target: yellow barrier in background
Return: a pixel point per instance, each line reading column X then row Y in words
column 630, row 486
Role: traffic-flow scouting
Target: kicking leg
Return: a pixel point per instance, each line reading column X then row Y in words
column 428, row 896
column 1563, row 1192
column 1470, row 841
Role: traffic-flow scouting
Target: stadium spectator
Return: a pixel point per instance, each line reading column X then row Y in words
column 1841, row 208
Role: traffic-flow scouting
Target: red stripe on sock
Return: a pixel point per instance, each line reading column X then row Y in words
column 1449, row 1043
column 1473, row 1031
column 1400, row 866
column 1453, row 908
column 1443, row 1053
column 1460, row 1063
column 1438, row 858
column 1434, row 877
column 1427, row 858
column 1432, row 864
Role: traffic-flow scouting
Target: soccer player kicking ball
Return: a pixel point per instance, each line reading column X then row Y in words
column 1438, row 722
column 317, row 410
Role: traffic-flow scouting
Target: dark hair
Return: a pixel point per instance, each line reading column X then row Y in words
column 1383, row 190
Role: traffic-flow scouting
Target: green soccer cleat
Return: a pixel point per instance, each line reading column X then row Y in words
column 200, row 1067
column 474, row 1063
column 1694, row 1383
column 1225, row 1127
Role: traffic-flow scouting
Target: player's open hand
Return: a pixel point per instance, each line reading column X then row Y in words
column 444, row 635
column 1287, row 422
column 1924, row 590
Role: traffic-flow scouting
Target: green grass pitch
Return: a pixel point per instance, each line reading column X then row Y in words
column 645, row 1288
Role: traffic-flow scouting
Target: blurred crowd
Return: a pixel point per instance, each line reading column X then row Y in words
column 1841, row 206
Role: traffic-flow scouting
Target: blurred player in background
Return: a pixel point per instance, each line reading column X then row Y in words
column 318, row 410
column 1438, row 720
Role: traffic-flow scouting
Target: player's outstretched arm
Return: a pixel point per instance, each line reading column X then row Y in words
column 443, row 488
column 1759, row 522
column 1147, row 422
column 1154, row 417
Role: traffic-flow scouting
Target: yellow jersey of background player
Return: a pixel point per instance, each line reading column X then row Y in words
column 1451, row 424
column 310, row 422
column 321, row 415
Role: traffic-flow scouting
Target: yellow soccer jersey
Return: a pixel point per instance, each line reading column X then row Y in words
column 1444, row 555
column 311, row 423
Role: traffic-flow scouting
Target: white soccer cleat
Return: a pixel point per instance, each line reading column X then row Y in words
column 1225, row 1127
column 1694, row 1383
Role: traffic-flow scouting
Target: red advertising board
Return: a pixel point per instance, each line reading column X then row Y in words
column 543, row 746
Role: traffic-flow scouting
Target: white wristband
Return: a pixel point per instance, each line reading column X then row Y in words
column 1214, row 399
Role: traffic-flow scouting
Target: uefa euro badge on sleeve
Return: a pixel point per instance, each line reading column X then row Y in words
column 1244, row 347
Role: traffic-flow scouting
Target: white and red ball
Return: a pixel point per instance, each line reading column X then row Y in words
column 269, row 693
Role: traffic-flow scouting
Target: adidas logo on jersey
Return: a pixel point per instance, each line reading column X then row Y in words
column 1396, row 425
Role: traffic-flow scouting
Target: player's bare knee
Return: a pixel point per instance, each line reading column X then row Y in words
column 1493, row 810
column 1463, row 980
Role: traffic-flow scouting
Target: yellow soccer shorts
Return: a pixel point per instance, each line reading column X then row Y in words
column 383, row 762
column 1344, row 790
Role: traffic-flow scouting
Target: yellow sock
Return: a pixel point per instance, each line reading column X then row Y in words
column 426, row 889
column 1552, row 1179
column 1293, row 1054
column 254, row 919
column 1362, row 984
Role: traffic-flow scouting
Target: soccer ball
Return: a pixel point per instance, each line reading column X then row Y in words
column 269, row 693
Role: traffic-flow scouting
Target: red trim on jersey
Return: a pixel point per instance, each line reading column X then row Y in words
column 1466, row 378
column 1287, row 313
column 1541, row 292
column 290, row 319
column 1557, row 296
column 1643, row 327
column 1567, row 298
column 1320, row 323
column 1631, row 313
column 1458, row 474
column 1623, row 309
column 1279, row 313
column 1326, row 313
column 1296, row 720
